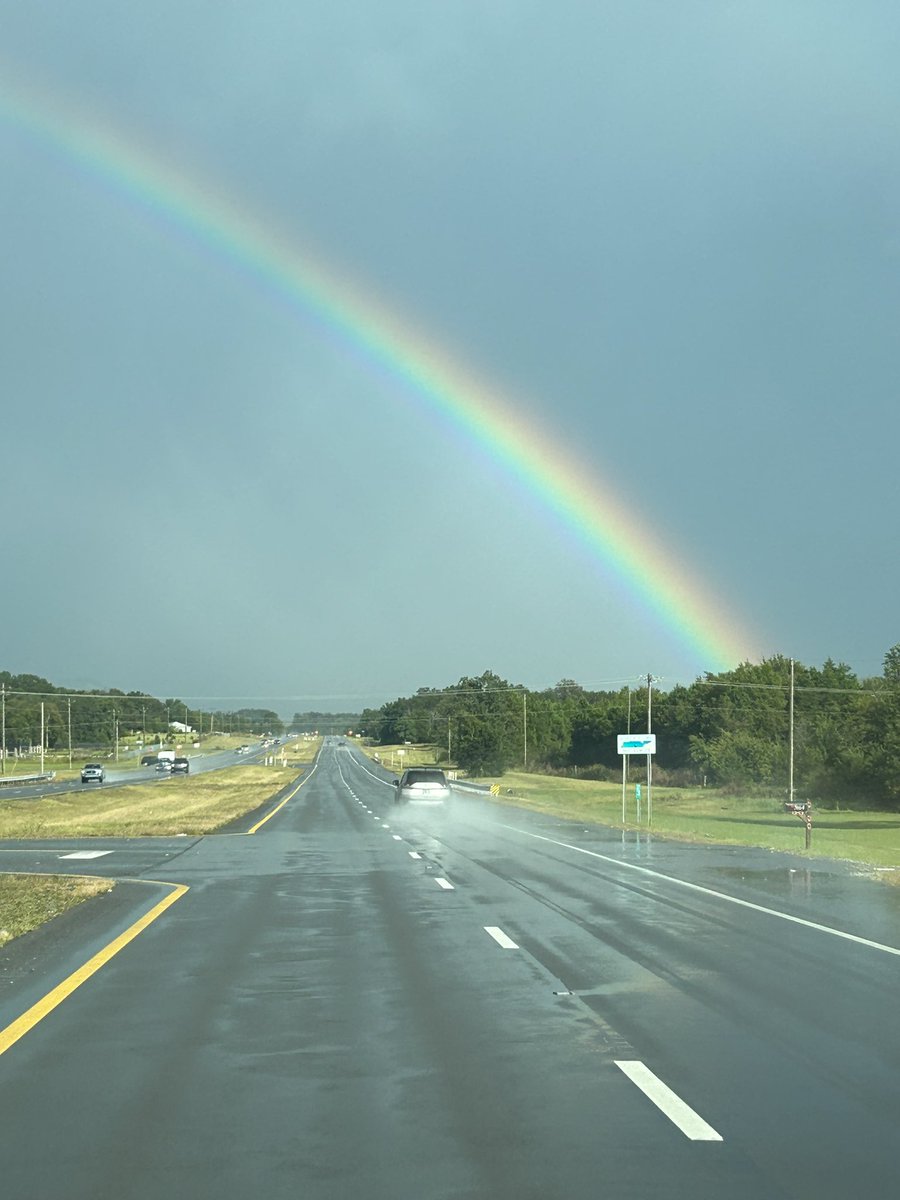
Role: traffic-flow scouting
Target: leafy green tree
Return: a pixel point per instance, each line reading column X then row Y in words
column 892, row 667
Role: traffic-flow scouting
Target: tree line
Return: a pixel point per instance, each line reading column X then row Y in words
column 730, row 729
column 94, row 719
column 323, row 722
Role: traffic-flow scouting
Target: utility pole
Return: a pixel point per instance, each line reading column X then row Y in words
column 791, row 739
column 116, row 732
column 525, row 731
column 649, row 756
column 69, row 722
column 3, row 745
column 42, row 737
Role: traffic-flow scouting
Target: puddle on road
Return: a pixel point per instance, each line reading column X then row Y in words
column 785, row 881
column 854, row 898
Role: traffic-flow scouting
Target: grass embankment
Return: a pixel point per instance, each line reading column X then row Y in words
column 398, row 758
column 706, row 815
column 27, row 901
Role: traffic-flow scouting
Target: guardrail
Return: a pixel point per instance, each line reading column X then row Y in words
column 23, row 780
column 486, row 789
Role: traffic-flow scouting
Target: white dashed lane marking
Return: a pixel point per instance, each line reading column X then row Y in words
column 500, row 937
column 679, row 1113
column 86, row 854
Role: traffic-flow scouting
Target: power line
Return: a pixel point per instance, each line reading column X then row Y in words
column 786, row 687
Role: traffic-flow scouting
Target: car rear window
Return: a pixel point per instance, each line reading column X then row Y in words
column 426, row 777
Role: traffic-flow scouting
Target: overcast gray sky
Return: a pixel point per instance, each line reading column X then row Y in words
column 668, row 233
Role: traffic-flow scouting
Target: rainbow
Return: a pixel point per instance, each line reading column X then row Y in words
column 678, row 599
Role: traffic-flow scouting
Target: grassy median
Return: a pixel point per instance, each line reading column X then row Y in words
column 193, row 804
column 27, row 901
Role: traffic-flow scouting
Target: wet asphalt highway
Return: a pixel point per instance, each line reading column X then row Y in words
column 478, row 1002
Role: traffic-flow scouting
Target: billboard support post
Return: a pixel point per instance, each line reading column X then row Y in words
column 638, row 743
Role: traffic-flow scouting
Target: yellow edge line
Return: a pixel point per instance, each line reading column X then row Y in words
column 279, row 807
column 11, row 1034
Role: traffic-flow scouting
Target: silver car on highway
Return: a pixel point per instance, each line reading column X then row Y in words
column 422, row 785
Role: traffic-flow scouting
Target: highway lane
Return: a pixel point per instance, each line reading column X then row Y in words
column 755, row 980
column 363, row 1000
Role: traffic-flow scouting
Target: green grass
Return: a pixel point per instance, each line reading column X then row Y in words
column 27, row 901
column 398, row 758
column 704, row 815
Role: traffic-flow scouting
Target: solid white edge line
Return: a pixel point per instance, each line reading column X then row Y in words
column 680, row 1114
column 500, row 937
column 444, row 883
column 697, row 887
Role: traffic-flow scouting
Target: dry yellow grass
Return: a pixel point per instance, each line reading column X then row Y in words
column 27, row 901
column 194, row 804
